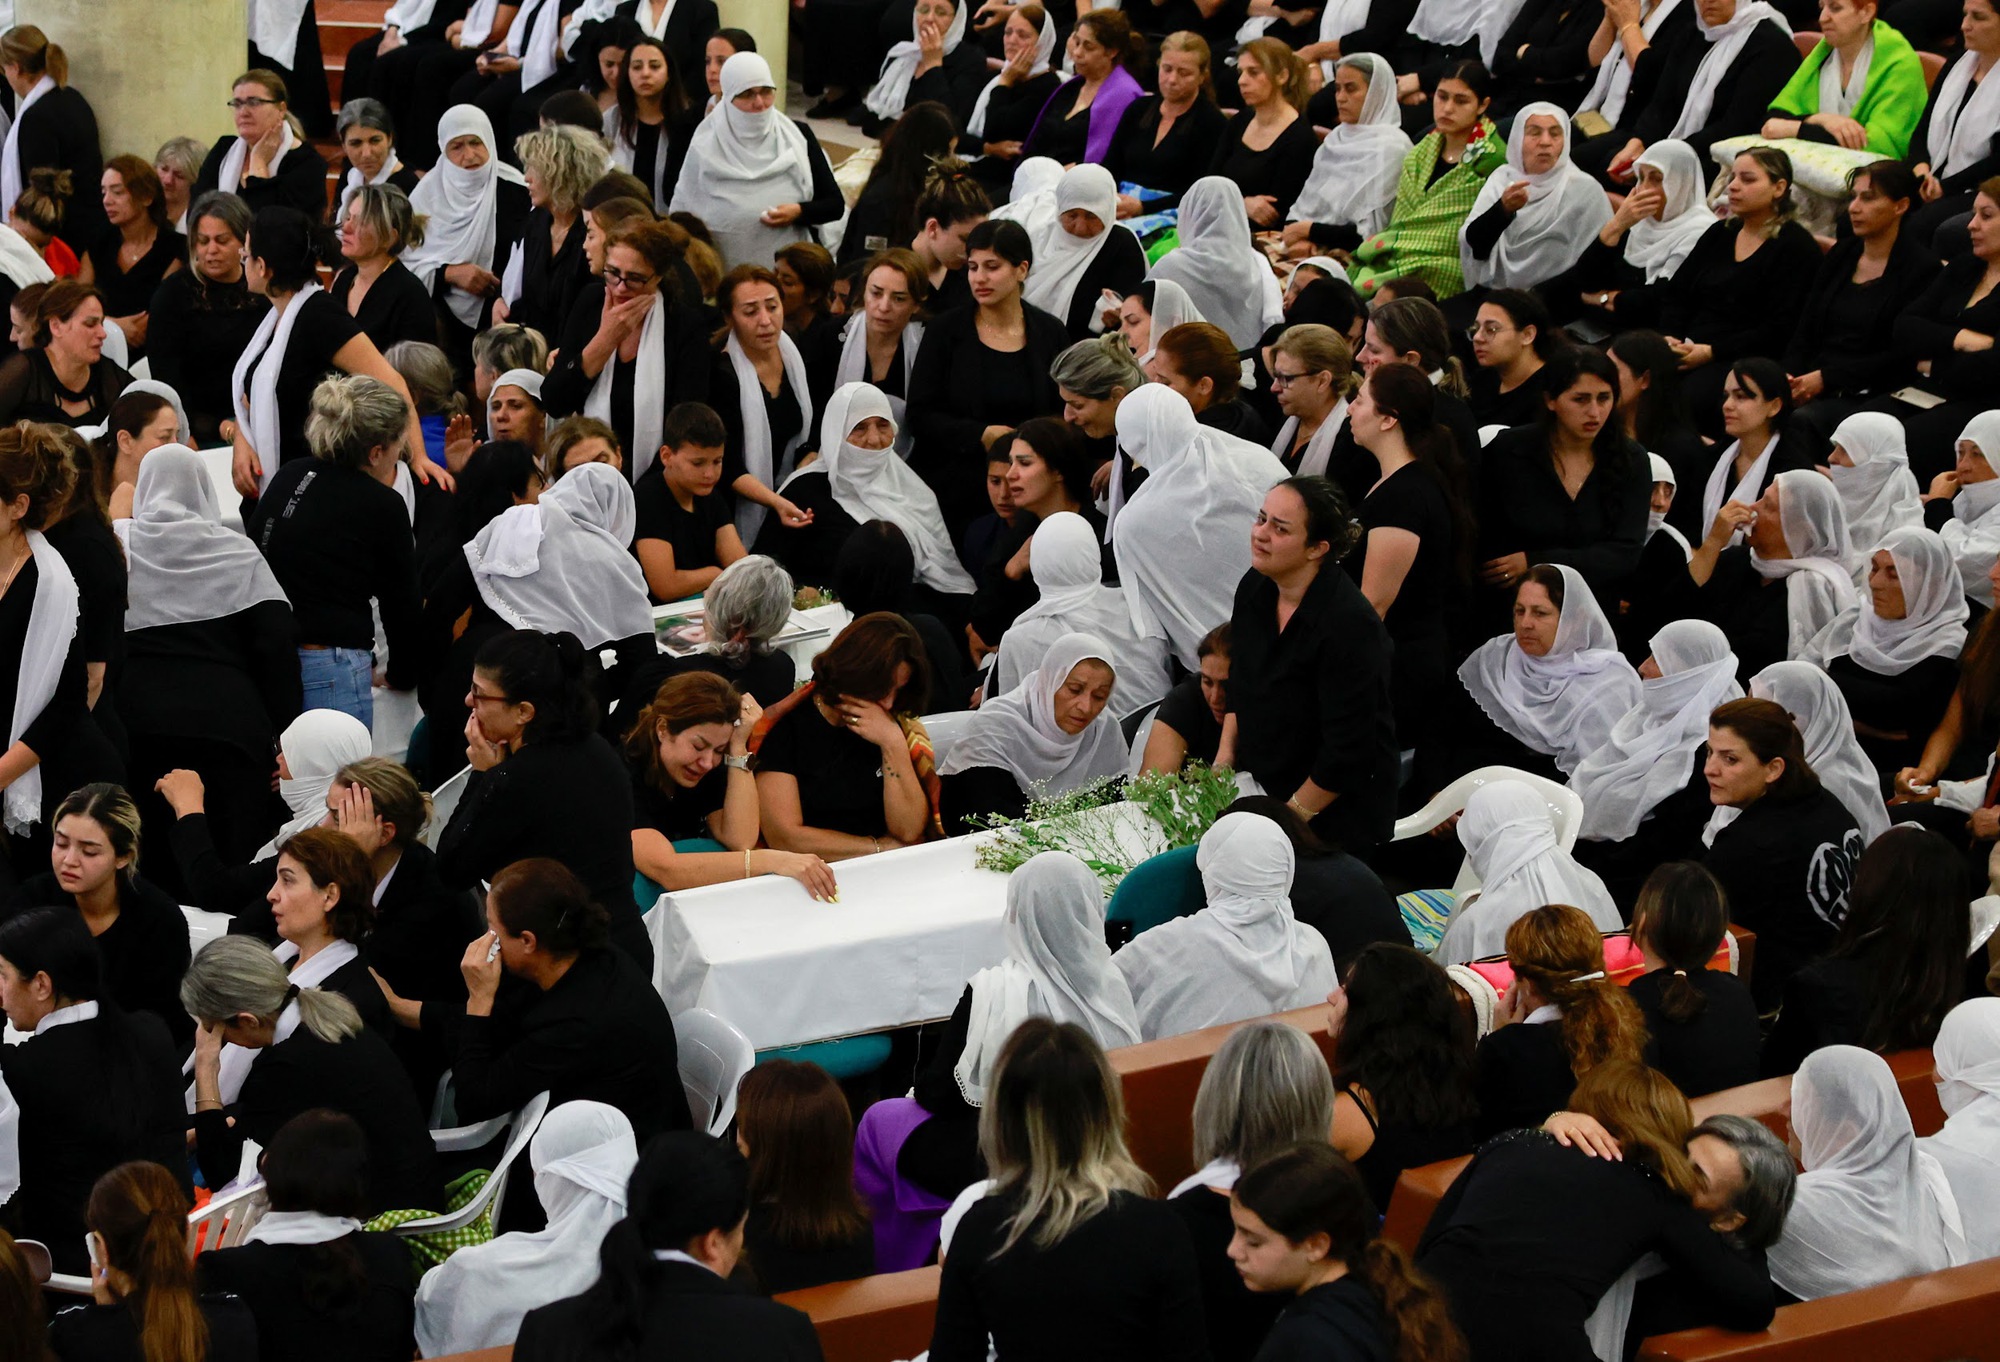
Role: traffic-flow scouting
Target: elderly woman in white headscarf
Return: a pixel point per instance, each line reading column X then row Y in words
column 1816, row 705
column 1183, row 539
column 1663, row 216
column 1053, row 733
column 1871, row 1206
column 1532, row 221
column 1870, row 468
column 311, row 752
column 757, row 178
column 1966, row 1056
column 1973, row 532
column 936, row 64
column 1352, row 185
column 1084, row 253
column 1245, row 954
column 473, row 205
column 1557, row 683
column 1510, row 841
column 582, row 1157
column 1800, row 569
column 1031, row 200
column 1231, row 284
column 1068, row 571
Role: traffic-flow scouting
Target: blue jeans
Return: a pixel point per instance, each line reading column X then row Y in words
column 339, row 678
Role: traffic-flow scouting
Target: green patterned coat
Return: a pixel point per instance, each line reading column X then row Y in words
column 1422, row 235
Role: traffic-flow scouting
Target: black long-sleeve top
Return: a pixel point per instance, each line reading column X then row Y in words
column 195, row 330
column 1787, row 868
column 1736, row 307
column 1911, row 702
column 1237, row 1317
column 1120, row 1287
column 551, row 280
column 1676, row 46
column 213, row 883
column 300, row 181
column 295, row 1324
column 1139, row 155
column 688, row 362
column 689, row 25
column 235, row 679
column 396, row 307
column 97, row 561
column 1714, row 1049
column 63, row 735
column 1120, row 267
column 59, row 131
column 129, row 291
column 1933, row 319
column 336, row 539
column 955, row 82
column 28, row 391
column 1555, row 64
column 1531, row 1234
column 143, row 953
column 421, row 929
column 1312, row 701
column 1011, row 111
column 1744, row 93
column 1525, row 509
column 1967, row 178
column 1279, row 170
column 1847, row 330
column 1520, row 1074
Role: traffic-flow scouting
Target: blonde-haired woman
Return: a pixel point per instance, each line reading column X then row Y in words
column 1269, row 147
column 1066, row 1252
column 547, row 267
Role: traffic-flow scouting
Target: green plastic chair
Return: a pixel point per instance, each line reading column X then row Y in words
column 1157, row 890
column 647, row 891
column 849, row 1057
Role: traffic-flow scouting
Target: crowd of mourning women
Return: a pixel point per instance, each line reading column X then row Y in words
column 1350, row 396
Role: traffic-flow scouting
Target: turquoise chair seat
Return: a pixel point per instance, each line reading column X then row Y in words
column 1157, row 890
column 849, row 1057
column 647, row 891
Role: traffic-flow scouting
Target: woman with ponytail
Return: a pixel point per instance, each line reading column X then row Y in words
column 1703, row 1022
column 1560, row 1019
column 316, row 1053
column 1305, row 1225
column 54, row 126
column 142, row 1289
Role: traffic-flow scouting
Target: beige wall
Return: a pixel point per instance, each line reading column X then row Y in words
column 152, row 70
column 769, row 22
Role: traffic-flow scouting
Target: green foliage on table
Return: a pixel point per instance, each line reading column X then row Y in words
column 1177, row 808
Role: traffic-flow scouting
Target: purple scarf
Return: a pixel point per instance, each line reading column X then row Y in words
column 1119, row 90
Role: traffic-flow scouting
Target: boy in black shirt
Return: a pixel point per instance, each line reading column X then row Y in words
column 685, row 532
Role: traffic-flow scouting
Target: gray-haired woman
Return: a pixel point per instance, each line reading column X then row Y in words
column 313, row 1053
column 744, row 608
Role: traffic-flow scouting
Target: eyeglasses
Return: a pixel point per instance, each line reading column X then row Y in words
column 636, row 282
column 479, row 697
column 251, row 102
column 1281, row 381
column 1485, row 330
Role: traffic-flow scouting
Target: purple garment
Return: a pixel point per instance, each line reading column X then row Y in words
column 1120, row 88
column 905, row 1216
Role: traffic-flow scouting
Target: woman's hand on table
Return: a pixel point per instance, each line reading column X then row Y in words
column 814, row 875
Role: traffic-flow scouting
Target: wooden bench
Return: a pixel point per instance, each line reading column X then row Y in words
column 875, row 1319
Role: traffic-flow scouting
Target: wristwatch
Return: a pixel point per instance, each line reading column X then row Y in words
column 736, row 763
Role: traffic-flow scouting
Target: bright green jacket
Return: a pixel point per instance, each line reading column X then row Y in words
column 1892, row 99
column 1422, row 235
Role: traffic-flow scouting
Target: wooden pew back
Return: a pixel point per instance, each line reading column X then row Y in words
column 874, row 1319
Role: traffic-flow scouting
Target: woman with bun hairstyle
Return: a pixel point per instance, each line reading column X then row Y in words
column 38, row 216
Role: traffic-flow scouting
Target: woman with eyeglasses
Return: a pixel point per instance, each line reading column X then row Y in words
column 1512, row 335
column 266, row 164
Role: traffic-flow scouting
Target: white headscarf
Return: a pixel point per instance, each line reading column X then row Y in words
column 565, row 563
column 1031, row 199
column 229, row 175
column 527, row 380
column 1171, row 308
column 1973, row 532
column 1614, row 74
column 769, row 466
column 253, row 383
column 1933, row 623
column 315, row 745
column 1826, row 727
column 1216, row 263
column 1962, row 124
column 649, row 386
column 1062, row 259
column 583, row 1156
column 1966, row 1056
column 52, row 622
column 21, row 262
column 1564, row 211
column 461, row 209
column 1045, row 47
column 1656, row 521
column 1871, row 1207
column 1245, row 954
column 1057, row 966
column 182, row 433
column 1354, row 173
column 1562, row 704
column 1725, row 44
column 1018, row 734
column 1748, row 488
column 875, row 484
column 899, row 68
column 1656, row 246
column 1450, row 23
column 1183, row 540
column 853, row 365
column 1068, row 571
column 739, row 163
column 1646, row 758
column 1819, row 576
column 1510, row 841
column 183, row 565
column 1878, row 492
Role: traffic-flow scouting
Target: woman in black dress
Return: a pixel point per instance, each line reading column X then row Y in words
column 1166, row 141
column 387, row 301
column 561, row 164
column 1269, row 147
column 1005, row 111
column 128, row 263
column 806, row 1225
column 58, row 129
column 66, row 379
column 201, row 318
column 265, row 164
column 1702, row 1022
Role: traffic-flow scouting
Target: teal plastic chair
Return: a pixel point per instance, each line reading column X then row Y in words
column 1157, row 890
column 849, row 1057
column 647, row 891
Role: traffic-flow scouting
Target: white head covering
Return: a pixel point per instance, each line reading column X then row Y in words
column 1564, row 211
column 184, row 566
column 315, row 745
column 21, row 262
column 1171, row 308
column 583, row 1156
column 460, row 208
column 853, row 367
column 1656, row 246
column 875, row 484
column 899, row 68
column 1183, row 540
column 1245, row 954
column 182, row 433
column 1068, row 571
column 1564, row 703
column 253, row 383
column 527, row 380
column 1725, row 44
column 52, row 623
column 740, row 163
column 1045, row 47
column 1871, row 1207
column 1820, row 573
column 1973, row 533
column 1826, row 727
column 1614, row 74
column 1966, row 1055
column 1216, row 263
column 1964, row 118
column 1510, row 840
column 1018, row 734
column 1450, row 23
column 1061, row 259
column 1354, row 173
column 1656, row 521
column 1057, row 966
column 1032, row 198
column 1879, row 493
column 565, row 563
column 1646, row 758
column 768, row 465
column 1933, row 623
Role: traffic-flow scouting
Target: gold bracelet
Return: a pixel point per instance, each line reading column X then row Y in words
column 877, row 841
column 746, row 865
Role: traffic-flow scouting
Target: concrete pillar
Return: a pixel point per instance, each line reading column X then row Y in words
column 770, row 23
column 151, row 71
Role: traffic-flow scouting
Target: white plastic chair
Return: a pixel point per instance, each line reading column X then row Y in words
column 204, row 926
column 219, row 465
column 227, row 1218
column 1137, row 757
column 714, row 1056
column 395, row 716
column 1565, row 811
column 946, row 729
column 524, row 1122
column 444, row 799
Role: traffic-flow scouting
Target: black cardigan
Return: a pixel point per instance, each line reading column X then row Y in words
column 688, row 360
column 1847, row 330
column 1175, row 163
column 1744, row 93
column 234, row 679
column 1556, row 65
column 1786, row 869
column 955, row 82
column 274, row 1280
column 396, row 307
column 1962, row 181
column 300, row 182
column 551, row 281
column 1927, row 327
